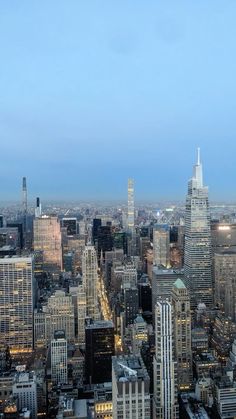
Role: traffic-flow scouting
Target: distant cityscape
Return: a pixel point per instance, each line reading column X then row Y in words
column 118, row 309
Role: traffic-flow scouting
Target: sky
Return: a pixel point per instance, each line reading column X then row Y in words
column 93, row 92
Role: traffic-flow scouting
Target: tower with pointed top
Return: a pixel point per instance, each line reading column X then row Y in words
column 197, row 250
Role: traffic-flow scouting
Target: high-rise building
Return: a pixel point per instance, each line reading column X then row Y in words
column 182, row 334
column 57, row 314
column 59, row 358
column 90, row 280
column 38, row 209
column 97, row 222
column 197, row 250
column 223, row 235
column 131, row 306
column 161, row 245
column 165, row 405
column 225, row 287
column 130, row 219
column 47, row 238
column 81, row 301
column 17, row 290
column 25, row 389
column 139, row 333
column 99, row 349
column 24, row 203
column 130, row 388
column 162, row 283
column 104, row 240
column 70, row 224
column 60, row 315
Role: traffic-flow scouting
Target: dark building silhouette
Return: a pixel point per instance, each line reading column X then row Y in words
column 97, row 222
column 104, row 240
column 99, row 349
column 145, row 296
column 120, row 241
column 71, row 225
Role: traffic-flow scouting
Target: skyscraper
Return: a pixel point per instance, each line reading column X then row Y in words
column 90, row 280
column 161, row 245
column 24, row 203
column 225, row 287
column 47, row 238
column 182, row 334
column 130, row 218
column 16, row 303
column 197, row 250
column 165, row 405
column 59, row 358
column 99, row 349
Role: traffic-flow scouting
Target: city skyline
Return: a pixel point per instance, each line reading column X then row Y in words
column 91, row 96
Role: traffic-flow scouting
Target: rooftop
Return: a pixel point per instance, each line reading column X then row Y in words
column 179, row 284
column 129, row 368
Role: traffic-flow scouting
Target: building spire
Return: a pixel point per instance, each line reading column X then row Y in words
column 197, row 171
column 198, row 156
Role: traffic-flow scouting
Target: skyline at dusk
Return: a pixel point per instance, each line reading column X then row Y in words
column 92, row 95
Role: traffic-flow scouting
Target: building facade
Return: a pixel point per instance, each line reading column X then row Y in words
column 130, row 388
column 165, row 404
column 182, row 334
column 47, row 238
column 17, row 291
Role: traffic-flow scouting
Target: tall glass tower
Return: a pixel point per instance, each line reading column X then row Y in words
column 197, row 250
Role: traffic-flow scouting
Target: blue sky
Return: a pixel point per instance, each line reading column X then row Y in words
column 93, row 92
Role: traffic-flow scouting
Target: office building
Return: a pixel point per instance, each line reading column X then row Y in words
column 81, row 300
column 139, row 333
column 71, row 225
column 225, row 398
column 59, row 358
column 57, row 314
column 99, row 349
column 97, row 222
column 104, row 240
column 9, row 236
column 130, row 219
column 165, row 403
column 25, row 389
column 182, row 334
column 38, row 208
column 162, row 283
column 90, row 280
column 47, row 238
column 225, row 287
column 223, row 236
column 60, row 315
column 130, row 388
column 161, row 245
column 131, row 307
column 103, row 401
column 17, row 290
column 197, row 250
column 19, row 227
